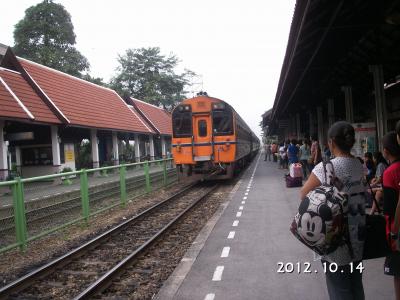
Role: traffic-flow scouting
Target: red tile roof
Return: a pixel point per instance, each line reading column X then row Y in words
column 9, row 106
column 26, row 95
column 156, row 116
column 84, row 103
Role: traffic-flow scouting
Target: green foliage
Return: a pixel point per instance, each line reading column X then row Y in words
column 84, row 158
column 147, row 75
column 46, row 36
column 95, row 80
column 66, row 170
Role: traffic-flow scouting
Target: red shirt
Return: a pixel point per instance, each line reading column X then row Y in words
column 391, row 190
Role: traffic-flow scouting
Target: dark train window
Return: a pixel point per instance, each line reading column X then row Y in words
column 202, row 124
column 182, row 124
column 222, row 122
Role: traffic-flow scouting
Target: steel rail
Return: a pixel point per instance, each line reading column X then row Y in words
column 28, row 279
column 106, row 280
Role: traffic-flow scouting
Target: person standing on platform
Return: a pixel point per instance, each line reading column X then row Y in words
column 267, row 149
column 305, row 154
column 391, row 205
column 346, row 282
column 316, row 156
column 274, row 151
column 293, row 152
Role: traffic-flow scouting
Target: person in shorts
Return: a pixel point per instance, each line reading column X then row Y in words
column 391, row 192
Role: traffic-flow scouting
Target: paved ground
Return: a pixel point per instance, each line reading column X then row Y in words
column 240, row 257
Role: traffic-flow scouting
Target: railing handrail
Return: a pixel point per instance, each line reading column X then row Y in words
column 58, row 175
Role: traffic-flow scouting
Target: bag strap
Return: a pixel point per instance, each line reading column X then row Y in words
column 325, row 163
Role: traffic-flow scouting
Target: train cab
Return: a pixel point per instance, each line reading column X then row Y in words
column 204, row 135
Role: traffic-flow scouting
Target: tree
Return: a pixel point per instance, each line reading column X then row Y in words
column 95, row 80
column 147, row 75
column 46, row 36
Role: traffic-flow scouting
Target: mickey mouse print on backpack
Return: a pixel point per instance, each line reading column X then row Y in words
column 331, row 216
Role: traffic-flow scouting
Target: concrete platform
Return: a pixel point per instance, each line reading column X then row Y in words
column 236, row 256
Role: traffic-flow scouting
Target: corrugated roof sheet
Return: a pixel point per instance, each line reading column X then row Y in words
column 157, row 116
column 84, row 103
column 25, row 93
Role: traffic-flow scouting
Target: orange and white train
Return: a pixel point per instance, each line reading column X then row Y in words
column 209, row 136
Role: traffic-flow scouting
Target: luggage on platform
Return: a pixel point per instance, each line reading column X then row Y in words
column 293, row 181
column 295, row 170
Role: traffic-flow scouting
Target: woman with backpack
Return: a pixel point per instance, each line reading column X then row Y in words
column 346, row 281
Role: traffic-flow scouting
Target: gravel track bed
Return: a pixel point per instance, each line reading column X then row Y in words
column 144, row 279
column 15, row 264
column 76, row 276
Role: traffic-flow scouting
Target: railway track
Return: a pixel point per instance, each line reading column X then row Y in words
column 94, row 266
column 64, row 208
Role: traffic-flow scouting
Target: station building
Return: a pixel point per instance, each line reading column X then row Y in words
column 51, row 121
column 342, row 63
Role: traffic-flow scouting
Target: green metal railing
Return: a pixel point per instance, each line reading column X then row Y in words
column 56, row 206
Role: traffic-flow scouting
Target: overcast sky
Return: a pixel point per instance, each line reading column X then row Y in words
column 236, row 46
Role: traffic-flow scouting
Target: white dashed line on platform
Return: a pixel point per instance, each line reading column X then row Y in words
column 244, row 198
column 218, row 273
column 231, row 235
column 209, row 297
column 240, row 207
column 246, row 194
column 243, row 202
column 235, row 223
column 239, row 214
column 225, row 252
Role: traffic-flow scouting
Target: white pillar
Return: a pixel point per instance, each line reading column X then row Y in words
column 320, row 125
column 331, row 112
column 163, row 147
column 18, row 159
column 95, row 148
column 380, row 102
column 152, row 154
column 115, row 148
column 55, row 149
column 137, row 147
column 348, row 101
column 3, row 154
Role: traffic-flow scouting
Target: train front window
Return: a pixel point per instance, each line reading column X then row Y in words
column 182, row 124
column 222, row 122
column 202, row 124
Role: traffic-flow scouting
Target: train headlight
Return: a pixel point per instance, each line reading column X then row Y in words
column 219, row 105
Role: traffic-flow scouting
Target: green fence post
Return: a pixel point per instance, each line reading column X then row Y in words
column 122, row 183
column 165, row 172
column 147, row 174
column 19, row 213
column 85, row 195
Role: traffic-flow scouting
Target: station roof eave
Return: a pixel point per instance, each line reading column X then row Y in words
column 25, row 97
column 77, row 102
column 332, row 44
column 156, row 117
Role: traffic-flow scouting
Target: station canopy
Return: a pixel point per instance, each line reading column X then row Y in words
column 56, row 97
column 332, row 44
column 158, row 118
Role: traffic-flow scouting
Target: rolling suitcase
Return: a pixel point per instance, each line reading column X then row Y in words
column 293, row 181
